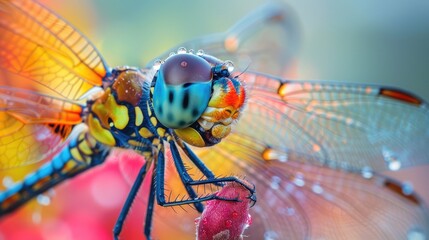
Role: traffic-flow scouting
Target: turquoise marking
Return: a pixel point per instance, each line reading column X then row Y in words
column 178, row 106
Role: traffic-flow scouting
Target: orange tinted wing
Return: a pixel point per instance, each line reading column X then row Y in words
column 32, row 125
column 41, row 52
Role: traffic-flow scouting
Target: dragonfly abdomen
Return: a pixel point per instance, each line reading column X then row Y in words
column 81, row 153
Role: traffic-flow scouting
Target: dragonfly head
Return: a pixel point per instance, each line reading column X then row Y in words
column 195, row 96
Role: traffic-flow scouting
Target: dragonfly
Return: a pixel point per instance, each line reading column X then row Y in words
column 313, row 149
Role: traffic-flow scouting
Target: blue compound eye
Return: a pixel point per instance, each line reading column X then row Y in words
column 182, row 90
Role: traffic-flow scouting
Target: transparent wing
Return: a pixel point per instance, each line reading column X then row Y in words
column 265, row 39
column 41, row 52
column 351, row 126
column 297, row 200
column 33, row 125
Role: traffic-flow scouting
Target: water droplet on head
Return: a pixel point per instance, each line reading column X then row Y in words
column 200, row 52
column 191, row 51
column 367, row 172
column 416, row 234
column 394, row 165
column 229, row 66
column 157, row 64
column 181, row 50
column 391, row 160
column 234, row 214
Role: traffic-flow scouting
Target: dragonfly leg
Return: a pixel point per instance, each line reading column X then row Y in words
column 189, row 182
column 82, row 153
column 149, row 210
column 184, row 176
column 127, row 205
column 198, row 163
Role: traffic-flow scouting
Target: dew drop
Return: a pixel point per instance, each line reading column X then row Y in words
column 229, row 66
column 181, row 50
column 275, row 182
column 367, row 172
column 191, row 51
column 407, row 188
column 316, row 188
column 299, row 180
column 200, row 52
column 392, row 162
column 234, row 214
column 228, row 223
column 157, row 64
column 394, row 165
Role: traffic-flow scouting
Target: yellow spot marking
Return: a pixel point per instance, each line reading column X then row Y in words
column 153, row 121
column 139, row 116
column 69, row 166
column 144, row 132
column 136, row 143
column 76, row 154
column 190, row 136
column 160, row 131
column 85, row 148
column 110, row 109
column 156, row 142
column 98, row 132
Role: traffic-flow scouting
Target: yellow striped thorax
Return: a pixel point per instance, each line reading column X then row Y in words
column 195, row 95
column 121, row 116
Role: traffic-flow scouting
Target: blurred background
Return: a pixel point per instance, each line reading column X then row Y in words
column 355, row 41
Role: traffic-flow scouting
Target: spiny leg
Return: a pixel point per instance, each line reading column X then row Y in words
column 188, row 182
column 184, row 176
column 150, row 208
column 127, row 205
column 197, row 162
column 160, row 186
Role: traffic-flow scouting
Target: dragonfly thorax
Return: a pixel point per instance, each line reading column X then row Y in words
column 122, row 115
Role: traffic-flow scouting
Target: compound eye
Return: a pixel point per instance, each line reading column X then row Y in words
column 182, row 90
column 185, row 68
